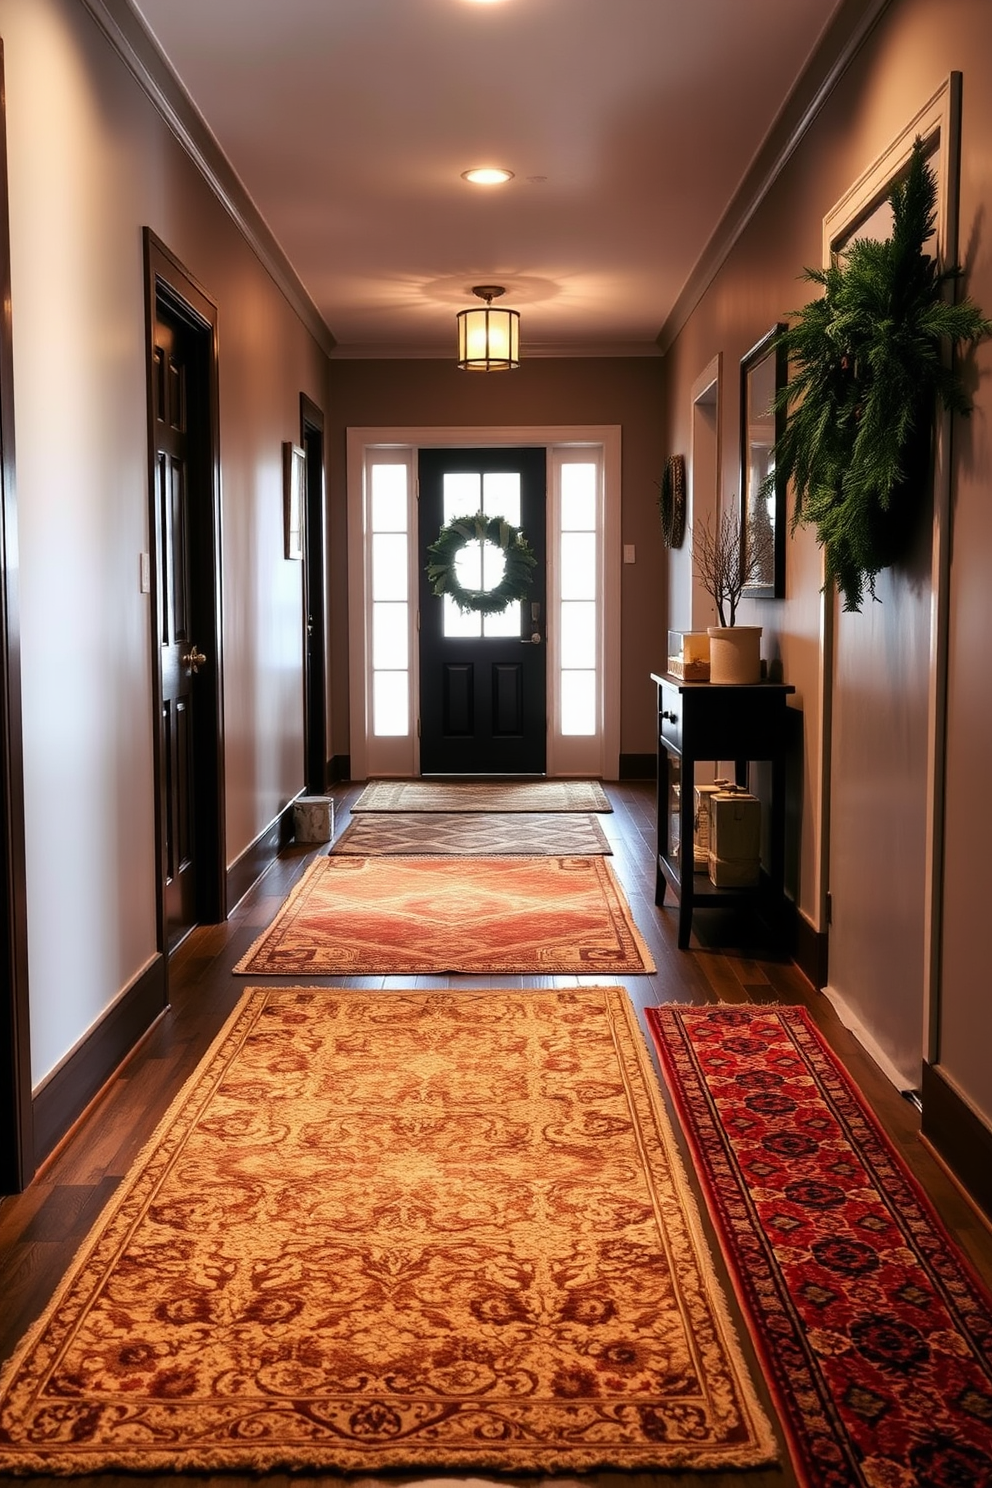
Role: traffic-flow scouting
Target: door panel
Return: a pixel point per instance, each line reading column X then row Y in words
column 483, row 683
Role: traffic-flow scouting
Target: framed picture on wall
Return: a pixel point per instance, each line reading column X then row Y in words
column 763, row 515
column 294, row 469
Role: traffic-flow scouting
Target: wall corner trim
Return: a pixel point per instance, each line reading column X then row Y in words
column 129, row 37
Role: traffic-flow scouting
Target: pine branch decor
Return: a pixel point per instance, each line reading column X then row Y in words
column 868, row 368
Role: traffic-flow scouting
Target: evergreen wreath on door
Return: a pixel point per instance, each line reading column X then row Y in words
column 518, row 558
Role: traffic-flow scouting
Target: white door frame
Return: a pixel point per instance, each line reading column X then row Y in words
column 556, row 438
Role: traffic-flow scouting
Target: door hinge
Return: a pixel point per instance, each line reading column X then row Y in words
column 830, row 909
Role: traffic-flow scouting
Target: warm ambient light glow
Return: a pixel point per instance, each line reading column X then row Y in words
column 487, row 175
column 488, row 340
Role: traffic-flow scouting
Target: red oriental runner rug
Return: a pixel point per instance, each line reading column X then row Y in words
column 875, row 1335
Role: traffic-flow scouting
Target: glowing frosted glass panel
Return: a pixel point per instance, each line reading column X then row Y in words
column 578, row 498
column 578, row 634
column 506, row 624
column 390, row 704
column 493, row 565
column 389, row 575
column 462, row 494
column 501, row 495
column 578, row 702
column 578, row 565
column 457, row 623
column 468, row 565
column 390, row 643
column 388, row 508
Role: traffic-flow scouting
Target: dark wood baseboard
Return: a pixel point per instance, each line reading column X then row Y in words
column 339, row 768
column 638, row 767
column 247, row 869
column 810, row 951
column 958, row 1136
column 67, row 1092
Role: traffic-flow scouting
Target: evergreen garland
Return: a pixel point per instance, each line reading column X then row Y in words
column 868, row 367
column 518, row 558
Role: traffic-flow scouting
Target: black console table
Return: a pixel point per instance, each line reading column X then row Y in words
column 715, row 721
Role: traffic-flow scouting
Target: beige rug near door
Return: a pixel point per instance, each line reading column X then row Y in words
column 408, row 1230
column 395, row 916
column 486, row 795
column 547, row 834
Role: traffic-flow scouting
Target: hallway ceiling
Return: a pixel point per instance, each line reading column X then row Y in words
column 628, row 125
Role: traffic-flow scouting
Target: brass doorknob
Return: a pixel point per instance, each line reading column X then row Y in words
column 193, row 660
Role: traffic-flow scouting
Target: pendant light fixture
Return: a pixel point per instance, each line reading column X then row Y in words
column 488, row 340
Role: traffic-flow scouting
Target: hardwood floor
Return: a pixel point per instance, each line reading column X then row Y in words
column 41, row 1228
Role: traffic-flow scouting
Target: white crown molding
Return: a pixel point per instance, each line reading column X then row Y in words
column 841, row 40
column 130, row 38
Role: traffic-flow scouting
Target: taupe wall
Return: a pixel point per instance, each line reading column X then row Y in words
column 917, row 44
column 625, row 391
column 91, row 162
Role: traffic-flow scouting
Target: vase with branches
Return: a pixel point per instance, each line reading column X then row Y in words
column 725, row 564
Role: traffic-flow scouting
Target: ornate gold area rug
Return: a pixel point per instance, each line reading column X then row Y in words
column 876, row 1336
column 556, row 834
column 396, row 916
column 487, row 795
column 396, row 1230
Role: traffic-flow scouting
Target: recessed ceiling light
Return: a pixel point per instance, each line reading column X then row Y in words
column 487, row 175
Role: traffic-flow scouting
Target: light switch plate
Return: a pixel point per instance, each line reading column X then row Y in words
column 628, row 552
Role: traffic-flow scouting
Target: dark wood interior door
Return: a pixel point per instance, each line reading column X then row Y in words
column 482, row 679
column 181, row 657
column 314, row 600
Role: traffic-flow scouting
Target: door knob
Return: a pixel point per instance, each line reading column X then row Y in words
column 193, row 660
column 534, row 639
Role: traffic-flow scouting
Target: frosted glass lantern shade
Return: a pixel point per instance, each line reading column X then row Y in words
column 488, row 339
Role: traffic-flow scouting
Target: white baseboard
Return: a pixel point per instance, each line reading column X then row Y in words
column 903, row 1082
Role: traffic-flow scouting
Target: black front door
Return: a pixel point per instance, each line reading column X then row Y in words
column 482, row 678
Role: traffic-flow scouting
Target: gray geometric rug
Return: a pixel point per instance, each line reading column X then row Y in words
column 425, row 833
column 489, row 795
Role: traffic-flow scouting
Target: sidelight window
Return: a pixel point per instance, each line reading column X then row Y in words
column 390, row 561
column 579, row 595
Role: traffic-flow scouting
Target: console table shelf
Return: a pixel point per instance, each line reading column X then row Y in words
column 715, row 721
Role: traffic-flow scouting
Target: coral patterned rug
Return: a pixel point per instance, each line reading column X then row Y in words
column 442, row 1229
column 553, row 833
column 876, row 1337
column 484, row 795
column 396, row 916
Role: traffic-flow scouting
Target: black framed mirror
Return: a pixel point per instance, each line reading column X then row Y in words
column 763, row 374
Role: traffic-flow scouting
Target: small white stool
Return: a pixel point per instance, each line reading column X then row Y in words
column 313, row 819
